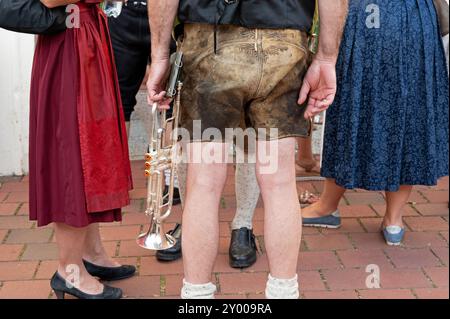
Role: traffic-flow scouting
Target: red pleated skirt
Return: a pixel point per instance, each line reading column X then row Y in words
column 79, row 165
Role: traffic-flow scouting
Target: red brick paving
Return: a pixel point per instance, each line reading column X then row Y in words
column 46, row 251
column 8, row 209
column 368, row 240
column 3, row 233
column 351, row 225
column 425, row 239
column 327, row 242
column 171, row 286
column 10, row 252
column 3, row 196
column 386, row 294
column 434, row 209
column 438, row 275
column 407, row 211
column 412, row 258
column 17, row 197
column 357, row 211
column 151, row 267
column 436, row 196
column 364, row 198
column 23, row 236
column 120, row 233
column 441, row 253
column 311, row 260
column 15, row 222
column 405, row 278
column 332, row 263
column 346, row 279
column 27, row 289
column 46, row 269
column 335, row 294
column 243, row 283
column 435, row 293
column 362, row 257
column 17, row 270
column 427, row 223
column 417, row 197
column 444, row 234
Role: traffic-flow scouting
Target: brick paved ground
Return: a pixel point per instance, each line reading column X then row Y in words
column 332, row 262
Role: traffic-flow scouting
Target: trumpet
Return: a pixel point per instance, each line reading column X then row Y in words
column 161, row 157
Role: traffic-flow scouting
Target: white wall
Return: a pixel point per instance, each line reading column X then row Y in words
column 16, row 57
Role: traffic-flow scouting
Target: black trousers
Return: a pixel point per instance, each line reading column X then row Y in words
column 130, row 36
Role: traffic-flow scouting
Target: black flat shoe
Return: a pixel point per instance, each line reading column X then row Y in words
column 243, row 250
column 176, row 195
column 110, row 273
column 60, row 287
column 175, row 252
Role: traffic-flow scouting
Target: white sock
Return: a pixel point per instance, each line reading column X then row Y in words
column 247, row 195
column 282, row 288
column 182, row 177
column 191, row 291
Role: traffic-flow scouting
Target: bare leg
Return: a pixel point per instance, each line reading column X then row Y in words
column 395, row 202
column 205, row 183
column 94, row 251
column 282, row 222
column 329, row 200
column 305, row 158
column 70, row 243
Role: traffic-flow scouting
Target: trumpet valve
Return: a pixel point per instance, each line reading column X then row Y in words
column 148, row 165
column 148, row 157
column 147, row 173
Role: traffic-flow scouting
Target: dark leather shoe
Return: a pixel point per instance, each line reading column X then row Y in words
column 60, row 287
column 110, row 273
column 176, row 195
column 243, row 250
column 175, row 252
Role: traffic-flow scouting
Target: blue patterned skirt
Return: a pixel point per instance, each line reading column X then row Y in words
column 389, row 123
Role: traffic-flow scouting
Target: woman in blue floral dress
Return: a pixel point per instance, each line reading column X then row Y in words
column 388, row 127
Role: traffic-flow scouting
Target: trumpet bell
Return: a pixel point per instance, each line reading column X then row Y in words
column 156, row 239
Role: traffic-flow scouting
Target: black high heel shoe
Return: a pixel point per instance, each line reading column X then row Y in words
column 110, row 273
column 60, row 287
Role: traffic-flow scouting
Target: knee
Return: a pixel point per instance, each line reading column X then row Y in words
column 281, row 179
column 279, row 170
column 209, row 181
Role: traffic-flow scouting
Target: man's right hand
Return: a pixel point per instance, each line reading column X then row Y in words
column 159, row 73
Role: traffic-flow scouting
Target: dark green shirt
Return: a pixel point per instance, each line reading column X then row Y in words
column 262, row 14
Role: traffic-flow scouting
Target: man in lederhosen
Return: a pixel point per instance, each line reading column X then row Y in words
column 245, row 59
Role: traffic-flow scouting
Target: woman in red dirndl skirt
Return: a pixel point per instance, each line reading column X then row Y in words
column 79, row 166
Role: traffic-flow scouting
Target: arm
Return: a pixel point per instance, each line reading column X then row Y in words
column 57, row 3
column 332, row 20
column 320, row 80
column 162, row 14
